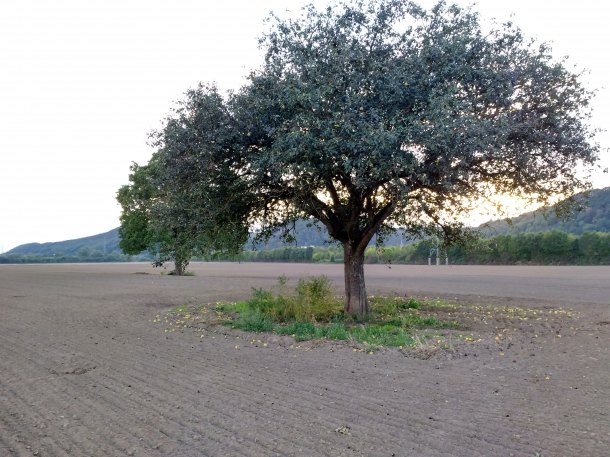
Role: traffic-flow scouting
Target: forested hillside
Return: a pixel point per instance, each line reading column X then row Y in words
column 103, row 247
column 103, row 243
column 306, row 234
column 593, row 217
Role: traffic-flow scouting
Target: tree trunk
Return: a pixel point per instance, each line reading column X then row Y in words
column 180, row 266
column 355, row 291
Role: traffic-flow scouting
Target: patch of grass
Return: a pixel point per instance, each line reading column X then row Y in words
column 337, row 331
column 418, row 321
column 301, row 331
column 312, row 311
column 253, row 322
column 235, row 307
column 420, row 327
column 182, row 309
column 390, row 305
column 381, row 335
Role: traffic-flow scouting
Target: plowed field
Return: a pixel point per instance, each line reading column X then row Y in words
column 85, row 370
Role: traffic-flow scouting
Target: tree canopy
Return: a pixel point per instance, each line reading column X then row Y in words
column 171, row 219
column 376, row 114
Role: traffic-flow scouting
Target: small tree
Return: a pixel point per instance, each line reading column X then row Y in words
column 376, row 114
column 141, row 227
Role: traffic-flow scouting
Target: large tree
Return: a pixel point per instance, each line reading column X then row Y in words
column 371, row 115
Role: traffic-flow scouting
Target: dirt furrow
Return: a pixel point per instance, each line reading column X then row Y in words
column 74, row 419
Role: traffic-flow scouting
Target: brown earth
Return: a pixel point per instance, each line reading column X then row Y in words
column 86, row 371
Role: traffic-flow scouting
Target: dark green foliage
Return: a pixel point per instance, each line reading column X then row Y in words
column 390, row 305
column 165, row 214
column 411, row 303
column 204, row 197
column 93, row 257
column 285, row 254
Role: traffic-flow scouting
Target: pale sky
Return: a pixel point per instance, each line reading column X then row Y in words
column 83, row 82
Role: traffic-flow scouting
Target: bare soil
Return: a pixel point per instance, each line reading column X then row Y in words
column 89, row 367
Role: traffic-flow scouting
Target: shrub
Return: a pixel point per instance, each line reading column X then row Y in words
column 314, row 302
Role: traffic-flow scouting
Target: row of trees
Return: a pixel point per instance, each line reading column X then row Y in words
column 365, row 116
column 554, row 247
column 94, row 256
column 549, row 248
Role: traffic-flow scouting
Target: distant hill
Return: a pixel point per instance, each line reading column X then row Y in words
column 106, row 245
column 307, row 234
column 102, row 244
column 593, row 217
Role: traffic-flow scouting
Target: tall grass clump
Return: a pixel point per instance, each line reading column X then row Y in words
column 313, row 302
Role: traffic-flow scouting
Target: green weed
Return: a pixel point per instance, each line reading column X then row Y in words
column 301, row 331
column 236, row 307
column 390, row 305
column 337, row 331
column 381, row 335
column 253, row 322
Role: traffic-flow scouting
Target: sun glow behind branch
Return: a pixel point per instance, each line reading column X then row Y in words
column 501, row 206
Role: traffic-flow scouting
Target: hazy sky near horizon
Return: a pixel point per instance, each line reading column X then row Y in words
column 83, row 82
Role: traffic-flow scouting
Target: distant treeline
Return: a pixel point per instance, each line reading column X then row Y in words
column 548, row 248
column 65, row 258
